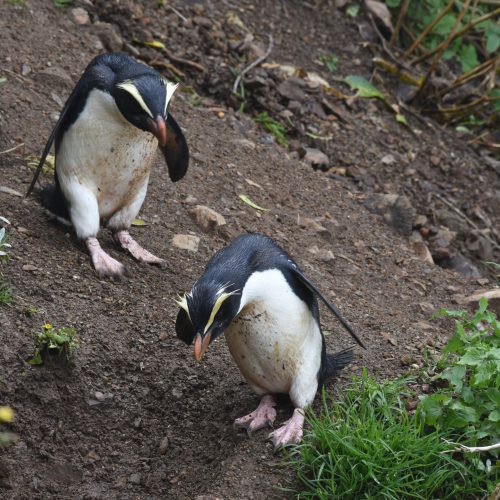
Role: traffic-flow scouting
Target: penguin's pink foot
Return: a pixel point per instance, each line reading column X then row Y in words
column 291, row 432
column 130, row 245
column 104, row 264
column 264, row 415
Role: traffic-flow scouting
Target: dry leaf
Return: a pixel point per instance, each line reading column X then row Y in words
column 381, row 12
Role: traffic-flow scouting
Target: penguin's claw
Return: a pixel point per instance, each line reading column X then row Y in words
column 290, row 433
column 142, row 255
column 263, row 416
column 104, row 264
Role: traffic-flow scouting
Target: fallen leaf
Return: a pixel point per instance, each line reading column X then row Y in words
column 245, row 199
column 139, row 222
column 381, row 12
column 48, row 166
column 252, row 183
column 8, row 190
column 401, row 119
column 364, row 87
column 156, row 44
column 3, row 79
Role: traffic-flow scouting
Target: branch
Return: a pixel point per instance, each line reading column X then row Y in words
column 399, row 22
column 255, row 63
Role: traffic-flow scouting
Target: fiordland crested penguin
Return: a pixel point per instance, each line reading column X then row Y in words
column 254, row 293
column 105, row 144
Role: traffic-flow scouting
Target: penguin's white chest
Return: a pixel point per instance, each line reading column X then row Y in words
column 275, row 340
column 106, row 154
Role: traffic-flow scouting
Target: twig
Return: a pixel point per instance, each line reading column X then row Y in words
column 177, row 13
column 472, row 449
column 180, row 60
column 399, row 22
column 12, row 149
column 465, row 77
column 466, row 28
column 428, row 28
column 255, row 63
column 465, row 218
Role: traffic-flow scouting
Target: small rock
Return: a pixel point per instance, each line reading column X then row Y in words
column 422, row 251
column 55, row 97
column 291, row 90
column 206, row 218
column 137, row 422
column 163, row 445
column 247, row 144
column 427, row 308
column 190, row 200
column 176, row 393
column 108, row 35
column 80, row 16
column 388, row 159
column 99, row 396
column 308, row 223
column 25, row 69
column 135, row 478
column 388, row 337
column 435, row 160
column 314, row 157
column 406, row 360
column 29, row 267
column 204, row 22
column 93, row 456
column 54, row 75
column 163, row 336
column 325, row 255
column 186, row 242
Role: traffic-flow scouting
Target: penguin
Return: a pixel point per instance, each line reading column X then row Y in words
column 256, row 294
column 105, row 145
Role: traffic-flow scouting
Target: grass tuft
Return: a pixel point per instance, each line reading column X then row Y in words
column 369, row 446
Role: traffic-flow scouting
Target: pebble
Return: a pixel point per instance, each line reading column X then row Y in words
column 186, row 242
column 80, row 16
column 135, row 478
column 206, row 218
column 163, row 445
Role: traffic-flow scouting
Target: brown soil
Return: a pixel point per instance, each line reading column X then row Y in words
column 73, row 445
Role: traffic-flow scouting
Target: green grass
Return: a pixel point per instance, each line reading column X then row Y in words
column 6, row 296
column 274, row 127
column 368, row 446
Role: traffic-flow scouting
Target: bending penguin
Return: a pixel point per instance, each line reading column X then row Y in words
column 105, row 144
column 254, row 293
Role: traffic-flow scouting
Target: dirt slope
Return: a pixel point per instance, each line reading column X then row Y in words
column 73, row 445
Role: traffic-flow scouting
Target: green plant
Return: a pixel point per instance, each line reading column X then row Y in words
column 274, row 127
column 5, row 289
column 469, row 401
column 368, row 446
column 62, row 3
column 431, row 32
column 330, row 60
column 49, row 340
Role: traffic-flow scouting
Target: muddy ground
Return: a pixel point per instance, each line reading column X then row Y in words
column 135, row 416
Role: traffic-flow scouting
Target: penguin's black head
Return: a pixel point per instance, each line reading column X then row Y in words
column 143, row 101
column 206, row 311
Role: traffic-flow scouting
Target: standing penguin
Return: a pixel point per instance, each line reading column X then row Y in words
column 254, row 293
column 105, row 144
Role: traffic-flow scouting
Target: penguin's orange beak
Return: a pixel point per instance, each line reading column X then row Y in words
column 201, row 345
column 159, row 129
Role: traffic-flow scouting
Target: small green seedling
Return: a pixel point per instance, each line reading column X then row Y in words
column 50, row 341
column 62, row 3
column 330, row 61
column 274, row 127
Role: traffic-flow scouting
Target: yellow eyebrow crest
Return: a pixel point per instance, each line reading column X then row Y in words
column 182, row 302
column 218, row 304
column 129, row 87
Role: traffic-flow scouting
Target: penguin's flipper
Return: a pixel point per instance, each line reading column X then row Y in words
column 330, row 306
column 175, row 151
column 184, row 328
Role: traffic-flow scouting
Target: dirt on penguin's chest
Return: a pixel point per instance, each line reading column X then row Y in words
column 264, row 347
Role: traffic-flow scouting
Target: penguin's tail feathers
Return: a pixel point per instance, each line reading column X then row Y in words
column 53, row 200
column 333, row 363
